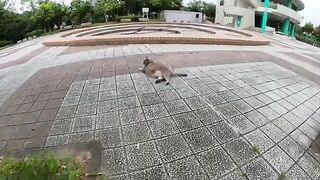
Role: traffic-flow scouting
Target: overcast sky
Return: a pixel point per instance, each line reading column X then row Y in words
column 311, row 11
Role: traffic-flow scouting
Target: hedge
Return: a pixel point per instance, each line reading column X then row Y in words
column 5, row 43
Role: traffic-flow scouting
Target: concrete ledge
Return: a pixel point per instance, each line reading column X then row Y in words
column 154, row 40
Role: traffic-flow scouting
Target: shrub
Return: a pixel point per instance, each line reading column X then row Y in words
column 36, row 33
column 40, row 167
column 5, row 43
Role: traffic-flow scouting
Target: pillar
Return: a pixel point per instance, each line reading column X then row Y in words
column 265, row 16
column 290, row 4
column 238, row 22
column 293, row 29
column 286, row 26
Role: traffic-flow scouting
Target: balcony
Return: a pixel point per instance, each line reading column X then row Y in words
column 287, row 12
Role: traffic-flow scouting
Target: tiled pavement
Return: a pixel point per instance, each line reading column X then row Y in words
column 242, row 112
column 237, row 121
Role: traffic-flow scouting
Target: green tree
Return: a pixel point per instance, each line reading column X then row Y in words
column 201, row 6
column 308, row 28
column 316, row 32
column 159, row 5
column 109, row 7
column 80, row 9
column 209, row 9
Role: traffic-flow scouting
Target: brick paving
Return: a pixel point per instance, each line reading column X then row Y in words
column 238, row 115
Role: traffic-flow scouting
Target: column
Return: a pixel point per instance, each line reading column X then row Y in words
column 293, row 29
column 265, row 16
column 290, row 4
column 286, row 26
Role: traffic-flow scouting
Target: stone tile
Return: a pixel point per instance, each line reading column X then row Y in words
column 268, row 113
column 235, row 175
column 58, row 94
column 126, row 92
column 15, row 144
column 91, row 89
column 296, row 173
column 35, row 142
column 149, row 99
column 216, row 162
column 22, row 131
column 163, row 127
column 254, row 102
column 54, row 103
column 264, row 99
column 242, row 124
column 203, row 89
column 3, row 144
column 168, row 95
column 301, row 138
column 128, row 102
column 107, row 95
column 187, row 121
column 61, row 127
column 258, row 139
column 136, row 133
column 227, row 110
column 196, row 103
column 217, row 87
column 278, row 108
column 259, row 170
column 278, row 159
column 284, row 103
column 172, row 147
column 113, row 161
column 157, row 172
column 81, row 137
column 129, row 116
column 24, row 108
column 273, row 132
column 186, row 92
column 223, row 131
column 6, row 132
column 240, row 151
column 200, row 139
column 40, row 129
column 284, row 125
column 176, row 107
column 310, row 166
column 106, row 106
column 293, row 119
column 208, row 115
column 57, row 140
column 292, row 148
column 228, row 95
column 38, row 106
column 110, row 137
column 187, row 168
column 84, row 123
column 71, row 101
column 251, row 90
column 107, row 120
column 142, row 155
column 87, row 109
column 241, row 106
column 309, row 131
column 194, row 82
column 214, row 99
column 66, row 112
column 47, row 115
column 155, row 111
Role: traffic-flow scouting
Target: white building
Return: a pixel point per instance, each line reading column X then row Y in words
column 181, row 16
column 278, row 15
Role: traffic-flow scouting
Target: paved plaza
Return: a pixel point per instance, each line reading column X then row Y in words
column 242, row 112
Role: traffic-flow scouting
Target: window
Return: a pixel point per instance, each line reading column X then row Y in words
column 197, row 15
column 221, row 2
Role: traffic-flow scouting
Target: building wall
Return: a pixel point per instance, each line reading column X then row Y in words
column 182, row 16
column 246, row 9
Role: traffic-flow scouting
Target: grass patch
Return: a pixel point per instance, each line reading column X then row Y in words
column 256, row 149
column 282, row 176
column 41, row 167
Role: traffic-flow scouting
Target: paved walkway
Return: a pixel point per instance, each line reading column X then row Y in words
column 242, row 112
